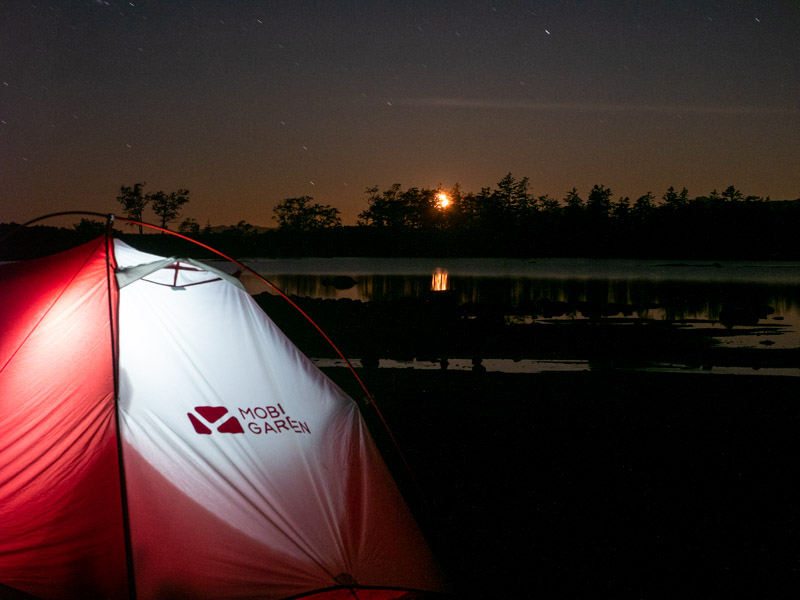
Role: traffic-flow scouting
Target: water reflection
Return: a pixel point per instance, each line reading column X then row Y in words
column 673, row 300
column 439, row 280
column 774, row 307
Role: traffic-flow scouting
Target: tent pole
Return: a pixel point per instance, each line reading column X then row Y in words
column 126, row 524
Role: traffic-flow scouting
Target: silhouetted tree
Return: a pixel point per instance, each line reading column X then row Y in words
column 189, row 226
column 423, row 206
column 573, row 204
column 168, row 206
column 621, row 209
column 397, row 209
column 513, row 196
column 597, row 220
column 89, row 229
column 299, row 214
column 507, row 205
column 461, row 209
column 385, row 209
column 469, row 209
column 573, row 222
column 675, row 201
column 133, row 201
column 598, row 204
column 548, row 204
column 243, row 228
column 643, row 207
column 714, row 198
column 731, row 194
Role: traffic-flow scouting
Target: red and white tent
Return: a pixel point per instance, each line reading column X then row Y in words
column 161, row 438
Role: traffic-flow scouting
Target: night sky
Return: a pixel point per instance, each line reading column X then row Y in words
column 246, row 103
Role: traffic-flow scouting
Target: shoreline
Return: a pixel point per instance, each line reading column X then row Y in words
column 782, row 368
column 424, row 333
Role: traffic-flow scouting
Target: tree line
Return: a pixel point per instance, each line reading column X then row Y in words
column 505, row 220
column 510, row 220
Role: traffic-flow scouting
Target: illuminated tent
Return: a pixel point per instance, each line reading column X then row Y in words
column 161, row 438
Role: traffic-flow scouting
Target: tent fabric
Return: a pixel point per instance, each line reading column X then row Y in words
column 248, row 473
column 61, row 527
column 126, row 275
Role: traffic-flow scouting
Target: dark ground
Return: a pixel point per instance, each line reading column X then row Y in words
column 606, row 483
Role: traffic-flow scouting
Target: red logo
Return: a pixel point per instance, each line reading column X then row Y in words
column 212, row 414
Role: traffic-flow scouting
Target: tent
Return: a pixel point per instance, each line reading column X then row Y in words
column 160, row 437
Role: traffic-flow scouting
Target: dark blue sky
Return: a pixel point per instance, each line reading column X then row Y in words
column 249, row 102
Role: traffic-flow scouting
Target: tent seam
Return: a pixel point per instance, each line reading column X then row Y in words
column 126, row 524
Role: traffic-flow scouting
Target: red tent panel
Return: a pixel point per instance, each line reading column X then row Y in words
column 61, row 531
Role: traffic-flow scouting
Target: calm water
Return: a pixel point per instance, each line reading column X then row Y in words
column 698, row 294
column 750, row 304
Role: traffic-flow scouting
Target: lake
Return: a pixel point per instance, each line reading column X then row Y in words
column 745, row 304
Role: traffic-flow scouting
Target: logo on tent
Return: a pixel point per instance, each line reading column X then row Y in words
column 212, row 414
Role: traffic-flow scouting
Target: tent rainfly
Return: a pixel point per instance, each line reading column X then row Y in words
column 161, row 438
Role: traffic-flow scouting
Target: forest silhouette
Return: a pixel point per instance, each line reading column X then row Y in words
column 505, row 221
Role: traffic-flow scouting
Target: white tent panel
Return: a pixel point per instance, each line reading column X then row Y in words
column 246, row 453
